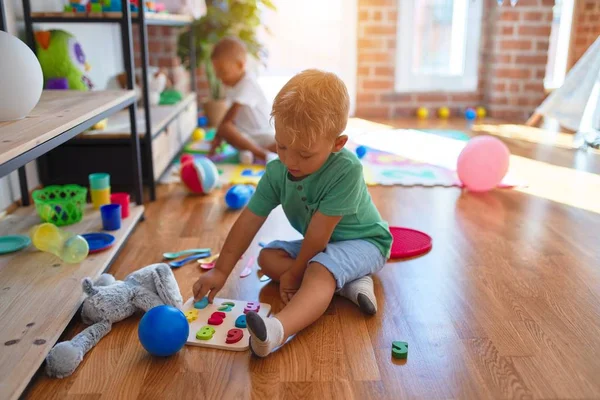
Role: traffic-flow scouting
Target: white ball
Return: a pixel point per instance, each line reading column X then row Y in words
column 21, row 78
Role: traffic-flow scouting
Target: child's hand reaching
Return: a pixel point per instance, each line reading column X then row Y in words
column 289, row 283
column 212, row 281
column 214, row 145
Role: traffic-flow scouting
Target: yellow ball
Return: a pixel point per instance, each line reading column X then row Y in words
column 481, row 113
column 444, row 112
column 198, row 134
column 422, row 113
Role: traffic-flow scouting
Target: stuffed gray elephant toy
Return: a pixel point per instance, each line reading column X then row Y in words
column 109, row 301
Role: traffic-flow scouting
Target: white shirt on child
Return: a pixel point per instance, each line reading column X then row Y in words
column 253, row 117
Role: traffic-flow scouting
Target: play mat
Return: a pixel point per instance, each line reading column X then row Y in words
column 403, row 157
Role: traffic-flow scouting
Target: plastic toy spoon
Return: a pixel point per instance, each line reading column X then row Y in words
column 177, row 264
column 176, row 254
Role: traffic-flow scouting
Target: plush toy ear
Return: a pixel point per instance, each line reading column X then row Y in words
column 43, row 39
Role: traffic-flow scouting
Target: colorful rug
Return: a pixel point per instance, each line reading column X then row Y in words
column 409, row 157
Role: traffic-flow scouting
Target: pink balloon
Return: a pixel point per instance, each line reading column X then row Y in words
column 483, row 163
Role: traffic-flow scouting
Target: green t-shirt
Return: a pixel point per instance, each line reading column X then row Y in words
column 337, row 189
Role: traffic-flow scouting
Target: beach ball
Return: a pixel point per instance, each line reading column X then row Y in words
column 21, row 78
column 163, row 330
column 483, row 163
column 199, row 175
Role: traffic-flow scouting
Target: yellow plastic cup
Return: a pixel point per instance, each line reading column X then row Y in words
column 100, row 197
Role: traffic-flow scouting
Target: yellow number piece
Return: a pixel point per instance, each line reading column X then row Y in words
column 206, row 333
column 191, row 315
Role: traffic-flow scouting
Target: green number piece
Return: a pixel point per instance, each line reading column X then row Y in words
column 206, row 333
column 227, row 306
column 399, row 349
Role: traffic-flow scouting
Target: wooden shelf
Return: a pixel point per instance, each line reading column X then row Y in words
column 39, row 295
column 163, row 19
column 58, row 116
column 118, row 124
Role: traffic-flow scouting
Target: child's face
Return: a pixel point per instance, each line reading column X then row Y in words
column 228, row 71
column 301, row 160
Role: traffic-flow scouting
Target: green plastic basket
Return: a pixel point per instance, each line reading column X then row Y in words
column 60, row 205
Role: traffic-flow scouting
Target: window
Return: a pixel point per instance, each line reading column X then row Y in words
column 438, row 45
column 560, row 36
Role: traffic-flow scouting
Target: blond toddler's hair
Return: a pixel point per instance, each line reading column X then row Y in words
column 313, row 104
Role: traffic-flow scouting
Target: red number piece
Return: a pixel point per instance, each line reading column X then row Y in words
column 251, row 306
column 234, row 336
column 216, row 318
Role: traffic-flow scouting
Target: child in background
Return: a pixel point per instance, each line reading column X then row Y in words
column 246, row 124
column 321, row 188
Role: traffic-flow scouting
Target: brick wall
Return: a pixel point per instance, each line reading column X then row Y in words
column 513, row 56
column 586, row 27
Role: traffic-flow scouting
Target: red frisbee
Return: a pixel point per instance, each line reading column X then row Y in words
column 409, row 243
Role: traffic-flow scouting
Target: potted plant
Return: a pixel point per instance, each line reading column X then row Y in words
column 239, row 18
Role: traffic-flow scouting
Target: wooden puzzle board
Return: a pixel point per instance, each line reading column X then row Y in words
column 218, row 339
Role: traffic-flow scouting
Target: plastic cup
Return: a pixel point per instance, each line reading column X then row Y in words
column 111, row 217
column 99, row 181
column 100, row 197
column 123, row 200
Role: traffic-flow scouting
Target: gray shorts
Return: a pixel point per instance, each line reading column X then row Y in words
column 347, row 260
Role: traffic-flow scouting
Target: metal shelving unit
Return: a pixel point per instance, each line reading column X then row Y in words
column 125, row 19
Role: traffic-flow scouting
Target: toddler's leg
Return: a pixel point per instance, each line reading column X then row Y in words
column 274, row 262
column 235, row 138
column 307, row 305
column 361, row 293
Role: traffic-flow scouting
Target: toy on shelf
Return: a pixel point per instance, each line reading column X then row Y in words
column 99, row 241
column 123, row 200
column 67, row 246
column 483, row 163
column 111, row 217
column 21, row 79
column 63, row 61
column 60, row 205
column 99, row 189
column 110, row 301
column 422, row 113
column 238, row 196
column 361, row 151
column 221, row 325
column 12, row 243
column 199, row 175
column 444, row 112
column 163, row 330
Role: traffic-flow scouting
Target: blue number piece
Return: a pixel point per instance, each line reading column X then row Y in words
column 201, row 304
column 240, row 322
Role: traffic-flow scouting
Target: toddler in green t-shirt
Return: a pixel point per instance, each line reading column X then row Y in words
column 321, row 188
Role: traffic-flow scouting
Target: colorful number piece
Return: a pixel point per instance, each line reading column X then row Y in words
column 234, row 336
column 191, row 315
column 216, row 318
column 227, row 306
column 206, row 333
column 201, row 304
column 240, row 322
column 251, row 306
column 399, row 350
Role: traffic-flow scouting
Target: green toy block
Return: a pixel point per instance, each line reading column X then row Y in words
column 67, row 8
column 399, row 350
column 96, row 7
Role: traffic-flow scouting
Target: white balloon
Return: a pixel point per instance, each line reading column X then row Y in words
column 21, row 78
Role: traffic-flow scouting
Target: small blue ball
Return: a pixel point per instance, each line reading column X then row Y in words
column 361, row 151
column 163, row 330
column 470, row 114
column 238, row 196
column 202, row 121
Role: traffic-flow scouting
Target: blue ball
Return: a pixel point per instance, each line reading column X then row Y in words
column 470, row 114
column 361, row 151
column 202, row 121
column 163, row 330
column 238, row 196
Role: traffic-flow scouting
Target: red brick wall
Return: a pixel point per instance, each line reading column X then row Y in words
column 586, row 27
column 513, row 58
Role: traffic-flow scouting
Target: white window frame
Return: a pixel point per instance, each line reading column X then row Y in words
column 408, row 81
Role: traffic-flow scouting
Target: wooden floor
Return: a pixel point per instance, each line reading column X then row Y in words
column 506, row 305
